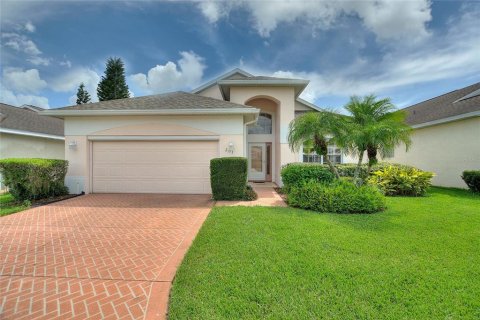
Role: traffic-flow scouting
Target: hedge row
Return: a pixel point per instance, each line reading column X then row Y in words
column 33, row 178
column 339, row 196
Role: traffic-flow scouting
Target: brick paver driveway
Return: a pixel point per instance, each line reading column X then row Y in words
column 96, row 256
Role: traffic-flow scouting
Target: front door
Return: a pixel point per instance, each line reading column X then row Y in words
column 256, row 161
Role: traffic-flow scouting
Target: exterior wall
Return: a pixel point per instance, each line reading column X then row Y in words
column 212, row 92
column 229, row 128
column 20, row 146
column 445, row 149
column 301, row 107
column 285, row 98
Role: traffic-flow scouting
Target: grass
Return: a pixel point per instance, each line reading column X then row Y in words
column 9, row 206
column 420, row 259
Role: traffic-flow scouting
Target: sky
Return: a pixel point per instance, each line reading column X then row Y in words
column 409, row 51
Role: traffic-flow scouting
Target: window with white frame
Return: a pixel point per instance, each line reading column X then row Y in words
column 334, row 154
column 263, row 125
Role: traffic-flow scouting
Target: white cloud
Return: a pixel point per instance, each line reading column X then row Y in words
column 386, row 18
column 20, row 43
column 23, row 81
column 69, row 81
column 449, row 55
column 29, row 26
column 66, row 63
column 186, row 73
column 39, row 61
column 8, row 97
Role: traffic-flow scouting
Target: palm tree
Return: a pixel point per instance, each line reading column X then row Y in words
column 375, row 126
column 321, row 128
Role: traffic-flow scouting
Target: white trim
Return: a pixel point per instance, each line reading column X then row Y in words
column 271, row 82
column 446, row 120
column 225, row 75
column 130, row 112
column 153, row 138
column 32, row 134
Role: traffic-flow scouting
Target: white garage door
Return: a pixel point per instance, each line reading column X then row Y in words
column 152, row 166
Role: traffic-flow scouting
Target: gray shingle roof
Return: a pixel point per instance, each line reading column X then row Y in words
column 28, row 120
column 444, row 106
column 167, row 101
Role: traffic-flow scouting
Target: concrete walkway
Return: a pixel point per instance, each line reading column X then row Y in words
column 267, row 196
column 100, row 256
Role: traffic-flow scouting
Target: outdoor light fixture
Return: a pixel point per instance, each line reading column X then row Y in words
column 230, row 148
column 72, row 145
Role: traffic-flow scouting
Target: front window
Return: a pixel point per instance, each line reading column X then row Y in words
column 263, row 125
column 334, row 154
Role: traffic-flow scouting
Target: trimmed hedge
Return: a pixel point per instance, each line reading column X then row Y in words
column 472, row 179
column 296, row 174
column 401, row 181
column 228, row 178
column 34, row 178
column 339, row 196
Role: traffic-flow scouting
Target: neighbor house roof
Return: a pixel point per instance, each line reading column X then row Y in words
column 167, row 103
column 24, row 121
column 457, row 104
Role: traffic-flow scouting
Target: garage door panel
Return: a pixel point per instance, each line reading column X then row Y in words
column 153, row 167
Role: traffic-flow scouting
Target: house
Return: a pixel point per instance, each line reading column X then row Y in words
column 163, row 143
column 446, row 136
column 24, row 133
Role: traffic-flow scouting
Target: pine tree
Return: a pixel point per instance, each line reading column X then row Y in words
column 82, row 95
column 113, row 84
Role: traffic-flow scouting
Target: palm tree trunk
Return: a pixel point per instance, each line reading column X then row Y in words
column 372, row 157
column 321, row 147
column 356, row 175
column 330, row 165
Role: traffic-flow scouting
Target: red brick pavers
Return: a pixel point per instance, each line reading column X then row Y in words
column 101, row 256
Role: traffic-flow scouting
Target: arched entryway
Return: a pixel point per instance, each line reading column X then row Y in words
column 262, row 140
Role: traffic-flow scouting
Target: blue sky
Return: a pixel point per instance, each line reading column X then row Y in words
column 407, row 50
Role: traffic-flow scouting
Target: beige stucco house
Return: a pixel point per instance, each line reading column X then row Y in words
column 446, row 136
column 163, row 143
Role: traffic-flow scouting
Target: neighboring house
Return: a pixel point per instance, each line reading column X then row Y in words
column 446, row 136
column 26, row 134
column 164, row 143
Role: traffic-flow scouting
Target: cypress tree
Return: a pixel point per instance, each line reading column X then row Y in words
column 82, row 95
column 113, row 84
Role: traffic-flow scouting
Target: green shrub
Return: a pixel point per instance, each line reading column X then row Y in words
column 228, row 178
column 401, row 180
column 348, row 169
column 472, row 179
column 31, row 179
column 296, row 174
column 339, row 196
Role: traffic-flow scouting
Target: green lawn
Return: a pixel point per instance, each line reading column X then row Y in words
column 8, row 205
column 420, row 259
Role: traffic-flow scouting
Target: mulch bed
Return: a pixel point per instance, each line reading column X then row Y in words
column 42, row 202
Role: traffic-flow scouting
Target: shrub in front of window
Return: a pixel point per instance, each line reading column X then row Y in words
column 401, row 181
column 339, row 196
column 32, row 179
column 296, row 174
column 472, row 179
column 228, row 178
